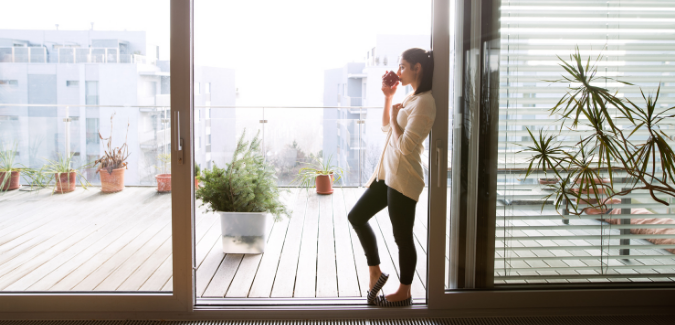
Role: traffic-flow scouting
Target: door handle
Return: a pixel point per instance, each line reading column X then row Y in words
column 178, row 139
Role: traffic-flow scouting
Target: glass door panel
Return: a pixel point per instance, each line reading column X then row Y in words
column 84, row 125
column 310, row 82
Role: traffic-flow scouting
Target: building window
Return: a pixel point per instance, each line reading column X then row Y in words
column 91, row 92
column 92, row 131
column 207, row 88
column 72, row 83
column 199, row 142
column 10, row 83
column 196, row 88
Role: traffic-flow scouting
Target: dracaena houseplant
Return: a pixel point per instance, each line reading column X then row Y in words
column 607, row 144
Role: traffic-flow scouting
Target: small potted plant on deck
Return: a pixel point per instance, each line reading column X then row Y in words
column 321, row 174
column 65, row 177
column 243, row 194
column 113, row 163
column 9, row 171
column 164, row 179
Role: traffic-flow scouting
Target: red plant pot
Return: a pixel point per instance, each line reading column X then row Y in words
column 196, row 183
column 163, row 183
column 590, row 198
column 65, row 182
column 548, row 181
column 112, row 182
column 324, row 184
column 12, row 183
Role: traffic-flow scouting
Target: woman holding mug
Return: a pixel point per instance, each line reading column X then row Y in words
column 398, row 179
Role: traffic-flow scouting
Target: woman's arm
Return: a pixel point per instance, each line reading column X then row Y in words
column 386, row 111
column 394, row 124
column 388, row 97
column 420, row 121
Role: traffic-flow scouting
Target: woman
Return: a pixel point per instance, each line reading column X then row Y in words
column 398, row 179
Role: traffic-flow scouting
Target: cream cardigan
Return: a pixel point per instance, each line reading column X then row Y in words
column 400, row 164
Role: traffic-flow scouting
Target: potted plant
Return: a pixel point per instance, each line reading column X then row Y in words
column 321, row 174
column 64, row 175
column 113, row 163
column 243, row 194
column 164, row 179
column 198, row 171
column 9, row 172
column 587, row 170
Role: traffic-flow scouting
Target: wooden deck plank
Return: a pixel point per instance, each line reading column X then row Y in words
column 208, row 267
column 223, row 277
column 326, row 274
column 348, row 284
column 160, row 277
column 306, row 284
column 149, row 266
column 84, row 277
column 126, row 268
column 77, row 255
column 288, row 263
column 241, row 285
column 208, row 234
column 360, row 261
column 133, row 263
column 77, row 227
column 169, row 285
column 264, row 279
column 25, row 227
column 132, row 241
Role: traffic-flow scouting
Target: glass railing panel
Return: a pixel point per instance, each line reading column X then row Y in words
column 81, row 233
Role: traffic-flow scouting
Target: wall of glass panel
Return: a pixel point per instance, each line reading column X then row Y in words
column 537, row 242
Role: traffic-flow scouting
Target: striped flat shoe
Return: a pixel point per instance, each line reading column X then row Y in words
column 372, row 294
column 383, row 302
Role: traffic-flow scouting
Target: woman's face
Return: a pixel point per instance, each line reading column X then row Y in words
column 406, row 73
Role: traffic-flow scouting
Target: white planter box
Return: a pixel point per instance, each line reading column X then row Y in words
column 243, row 232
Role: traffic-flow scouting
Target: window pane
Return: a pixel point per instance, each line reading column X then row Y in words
column 64, row 87
column 539, row 241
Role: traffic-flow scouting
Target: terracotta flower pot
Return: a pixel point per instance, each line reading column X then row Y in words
column 112, row 182
column 324, row 184
column 163, row 183
column 548, row 181
column 196, row 183
column 590, row 199
column 65, row 182
column 12, row 183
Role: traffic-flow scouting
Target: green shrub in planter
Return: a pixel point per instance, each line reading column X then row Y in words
column 247, row 184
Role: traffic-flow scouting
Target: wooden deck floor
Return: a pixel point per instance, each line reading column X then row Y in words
column 315, row 253
column 88, row 241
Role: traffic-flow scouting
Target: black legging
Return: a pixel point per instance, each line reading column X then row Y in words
column 402, row 215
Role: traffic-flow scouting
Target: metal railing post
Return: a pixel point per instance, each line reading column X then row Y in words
column 67, row 121
column 625, row 221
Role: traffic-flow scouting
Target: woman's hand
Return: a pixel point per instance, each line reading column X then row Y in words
column 395, row 109
column 389, row 91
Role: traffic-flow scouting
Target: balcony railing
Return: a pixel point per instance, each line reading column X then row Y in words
column 70, row 55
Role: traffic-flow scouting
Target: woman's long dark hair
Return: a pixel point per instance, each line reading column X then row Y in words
column 426, row 60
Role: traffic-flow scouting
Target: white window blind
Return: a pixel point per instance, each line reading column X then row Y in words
column 535, row 246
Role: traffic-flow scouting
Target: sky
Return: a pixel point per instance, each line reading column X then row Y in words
column 279, row 49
